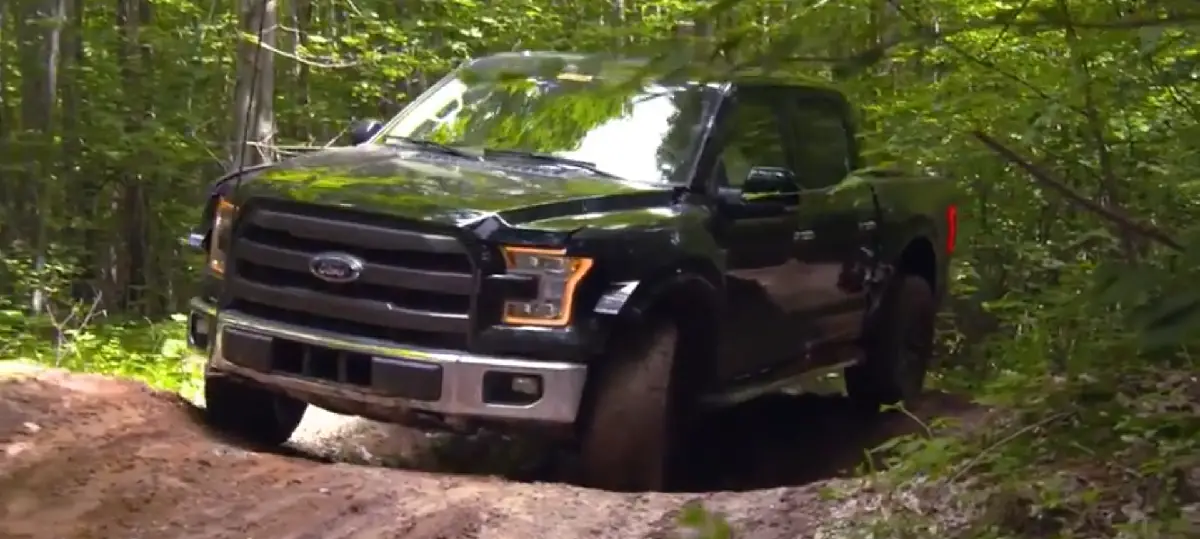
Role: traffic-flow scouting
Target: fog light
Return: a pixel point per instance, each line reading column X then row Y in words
column 527, row 385
column 511, row 388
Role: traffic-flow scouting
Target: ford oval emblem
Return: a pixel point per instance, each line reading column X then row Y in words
column 336, row 267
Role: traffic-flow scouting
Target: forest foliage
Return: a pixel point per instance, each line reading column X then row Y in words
column 1071, row 127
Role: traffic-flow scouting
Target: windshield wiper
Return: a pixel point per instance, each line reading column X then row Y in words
column 551, row 159
column 431, row 145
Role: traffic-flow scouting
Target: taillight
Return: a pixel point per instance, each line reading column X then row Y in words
column 951, row 228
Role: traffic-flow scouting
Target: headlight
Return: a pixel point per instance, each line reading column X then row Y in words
column 218, row 243
column 557, row 276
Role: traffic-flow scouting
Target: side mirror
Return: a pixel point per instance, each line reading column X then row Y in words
column 194, row 240
column 362, row 130
column 769, row 180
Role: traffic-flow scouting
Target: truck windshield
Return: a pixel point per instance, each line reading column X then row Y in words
column 604, row 127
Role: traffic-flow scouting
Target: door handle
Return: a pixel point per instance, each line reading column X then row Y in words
column 805, row 235
column 866, row 225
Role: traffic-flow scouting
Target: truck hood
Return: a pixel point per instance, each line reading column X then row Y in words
column 449, row 189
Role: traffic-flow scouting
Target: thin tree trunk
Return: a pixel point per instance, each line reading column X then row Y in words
column 616, row 23
column 80, row 200
column 131, row 15
column 1096, row 130
column 302, row 13
column 8, row 191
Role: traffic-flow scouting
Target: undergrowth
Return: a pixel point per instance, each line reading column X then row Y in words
column 1084, row 462
column 155, row 353
column 1091, row 434
column 81, row 336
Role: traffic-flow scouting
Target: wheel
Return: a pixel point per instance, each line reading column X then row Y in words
column 253, row 414
column 899, row 347
column 632, row 427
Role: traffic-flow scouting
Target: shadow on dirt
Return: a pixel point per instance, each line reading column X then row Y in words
column 784, row 440
column 780, row 440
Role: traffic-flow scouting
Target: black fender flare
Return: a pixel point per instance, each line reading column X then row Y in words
column 913, row 228
column 631, row 303
column 924, row 228
column 634, row 300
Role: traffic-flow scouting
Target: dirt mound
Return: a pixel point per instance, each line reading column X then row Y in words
column 84, row 456
column 776, row 441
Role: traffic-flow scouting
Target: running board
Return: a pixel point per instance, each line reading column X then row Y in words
column 821, row 380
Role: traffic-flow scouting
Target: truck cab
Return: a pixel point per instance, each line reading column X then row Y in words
column 573, row 247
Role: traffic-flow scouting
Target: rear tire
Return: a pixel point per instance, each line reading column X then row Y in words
column 252, row 414
column 631, row 430
column 899, row 347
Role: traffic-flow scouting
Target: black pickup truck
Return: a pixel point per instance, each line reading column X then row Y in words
column 570, row 247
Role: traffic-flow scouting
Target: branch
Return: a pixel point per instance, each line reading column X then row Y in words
column 294, row 149
column 1008, row 25
column 862, row 60
column 61, row 339
column 1115, row 216
column 295, row 58
column 983, row 62
column 1006, row 440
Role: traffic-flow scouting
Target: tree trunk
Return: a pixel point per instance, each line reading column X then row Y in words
column 254, row 120
column 39, row 33
column 132, row 15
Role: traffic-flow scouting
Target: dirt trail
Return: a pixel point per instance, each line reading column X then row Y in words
column 85, row 456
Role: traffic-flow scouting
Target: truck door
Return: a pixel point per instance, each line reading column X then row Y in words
column 836, row 221
column 763, row 303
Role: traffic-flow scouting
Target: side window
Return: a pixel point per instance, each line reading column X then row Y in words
column 752, row 139
column 819, row 141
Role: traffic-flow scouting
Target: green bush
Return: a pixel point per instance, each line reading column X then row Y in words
column 152, row 352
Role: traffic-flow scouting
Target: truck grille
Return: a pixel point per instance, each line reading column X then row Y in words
column 417, row 286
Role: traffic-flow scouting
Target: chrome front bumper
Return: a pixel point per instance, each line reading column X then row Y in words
column 462, row 391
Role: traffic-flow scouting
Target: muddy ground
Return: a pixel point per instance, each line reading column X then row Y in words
column 88, row 457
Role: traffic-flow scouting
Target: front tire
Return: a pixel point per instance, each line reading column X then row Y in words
column 898, row 349
column 631, row 430
column 252, row 414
